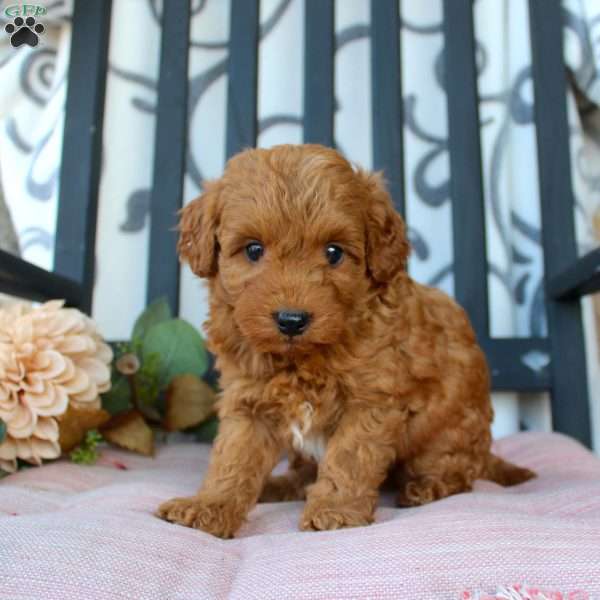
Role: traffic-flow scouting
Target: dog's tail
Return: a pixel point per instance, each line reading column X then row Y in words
column 505, row 473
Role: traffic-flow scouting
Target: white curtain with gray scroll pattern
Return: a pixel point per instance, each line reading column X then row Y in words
column 32, row 96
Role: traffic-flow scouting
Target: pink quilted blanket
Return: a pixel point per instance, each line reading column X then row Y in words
column 69, row 532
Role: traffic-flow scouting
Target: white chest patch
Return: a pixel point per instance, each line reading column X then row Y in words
column 311, row 444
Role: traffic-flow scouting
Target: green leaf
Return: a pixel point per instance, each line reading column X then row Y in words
column 117, row 398
column 155, row 313
column 87, row 453
column 2, row 430
column 147, row 379
column 181, row 349
column 207, row 431
column 23, row 465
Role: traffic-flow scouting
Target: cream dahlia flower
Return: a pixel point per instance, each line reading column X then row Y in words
column 50, row 356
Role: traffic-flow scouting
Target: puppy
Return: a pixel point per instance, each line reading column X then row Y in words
column 328, row 350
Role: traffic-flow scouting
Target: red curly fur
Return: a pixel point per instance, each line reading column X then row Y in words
column 387, row 382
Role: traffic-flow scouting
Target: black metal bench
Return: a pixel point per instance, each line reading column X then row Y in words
column 567, row 277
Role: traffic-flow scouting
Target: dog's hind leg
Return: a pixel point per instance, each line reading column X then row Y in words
column 449, row 464
column 434, row 475
column 292, row 485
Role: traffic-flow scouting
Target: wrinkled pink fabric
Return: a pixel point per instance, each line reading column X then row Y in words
column 69, row 532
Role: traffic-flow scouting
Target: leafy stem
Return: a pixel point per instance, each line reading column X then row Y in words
column 135, row 400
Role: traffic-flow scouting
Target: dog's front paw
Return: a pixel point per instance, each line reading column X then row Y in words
column 212, row 515
column 321, row 516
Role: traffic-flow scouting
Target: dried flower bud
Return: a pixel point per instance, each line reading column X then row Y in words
column 129, row 430
column 128, row 364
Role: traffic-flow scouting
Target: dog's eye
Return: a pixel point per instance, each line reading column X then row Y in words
column 334, row 254
column 254, row 251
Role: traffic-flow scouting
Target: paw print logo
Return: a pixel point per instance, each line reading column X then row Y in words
column 24, row 31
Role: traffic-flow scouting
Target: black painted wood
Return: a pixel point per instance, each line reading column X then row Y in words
column 578, row 279
column 466, row 185
column 243, row 76
column 522, row 364
column 169, row 154
column 570, row 409
column 25, row 280
column 82, row 146
column 386, row 96
column 319, row 54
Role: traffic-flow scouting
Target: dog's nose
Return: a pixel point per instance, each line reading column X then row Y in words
column 291, row 322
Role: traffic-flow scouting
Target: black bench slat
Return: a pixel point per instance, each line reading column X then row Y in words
column 169, row 154
column 466, row 185
column 569, row 395
column 386, row 97
column 74, row 254
column 579, row 279
column 522, row 364
column 319, row 53
column 242, row 85
column 23, row 279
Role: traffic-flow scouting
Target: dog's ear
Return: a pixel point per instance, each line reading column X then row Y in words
column 387, row 246
column 198, row 231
